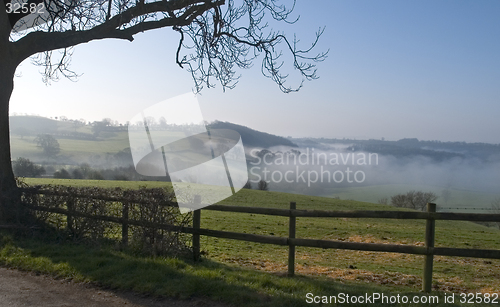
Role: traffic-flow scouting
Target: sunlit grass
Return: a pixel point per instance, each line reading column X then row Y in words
column 179, row 278
column 451, row 272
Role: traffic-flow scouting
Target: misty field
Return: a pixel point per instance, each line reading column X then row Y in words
column 460, row 200
column 468, row 184
column 397, row 271
column 71, row 148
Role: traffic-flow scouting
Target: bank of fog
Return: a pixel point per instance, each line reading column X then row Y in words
column 313, row 172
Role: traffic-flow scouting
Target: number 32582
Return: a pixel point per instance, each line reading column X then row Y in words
column 25, row 8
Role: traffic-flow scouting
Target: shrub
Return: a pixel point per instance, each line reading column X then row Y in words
column 95, row 175
column 263, row 185
column 77, row 174
column 62, row 174
column 248, row 185
column 120, row 177
column 85, row 169
column 146, row 207
column 383, row 201
column 23, row 167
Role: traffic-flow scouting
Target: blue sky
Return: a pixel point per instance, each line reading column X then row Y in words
column 396, row 69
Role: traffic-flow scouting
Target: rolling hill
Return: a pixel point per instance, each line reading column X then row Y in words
column 79, row 144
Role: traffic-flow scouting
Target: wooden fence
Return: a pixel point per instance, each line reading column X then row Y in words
column 429, row 251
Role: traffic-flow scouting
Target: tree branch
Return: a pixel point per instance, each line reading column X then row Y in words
column 220, row 37
column 39, row 41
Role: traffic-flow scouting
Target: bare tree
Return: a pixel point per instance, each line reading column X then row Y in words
column 383, row 201
column 413, row 199
column 216, row 38
column 495, row 207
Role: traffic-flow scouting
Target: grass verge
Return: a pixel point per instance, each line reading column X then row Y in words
column 381, row 271
column 182, row 278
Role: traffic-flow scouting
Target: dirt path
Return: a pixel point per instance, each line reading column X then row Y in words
column 27, row 289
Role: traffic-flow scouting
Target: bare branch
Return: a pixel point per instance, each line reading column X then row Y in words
column 217, row 37
column 39, row 41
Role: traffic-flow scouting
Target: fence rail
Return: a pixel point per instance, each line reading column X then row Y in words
column 379, row 214
column 428, row 250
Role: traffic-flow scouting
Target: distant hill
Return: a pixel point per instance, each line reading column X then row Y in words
column 32, row 125
column 253, row 138
column 410, row 147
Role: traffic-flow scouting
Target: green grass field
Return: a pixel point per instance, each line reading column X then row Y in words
column 458, row 198
column 74, row 149
column 399, row 271
column 252, row 274
column 183, row 279
column 89, row 151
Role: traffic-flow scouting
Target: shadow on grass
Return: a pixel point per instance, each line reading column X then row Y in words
column 178, row 278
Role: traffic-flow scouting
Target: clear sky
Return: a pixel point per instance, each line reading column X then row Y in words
column 396, row 69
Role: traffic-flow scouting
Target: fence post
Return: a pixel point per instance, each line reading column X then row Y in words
column 291, row 235
column 196, row 225
column 429, row 244
column 69, row 218
column 125, row 224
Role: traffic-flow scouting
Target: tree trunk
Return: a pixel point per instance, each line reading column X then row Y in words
column 9, row 196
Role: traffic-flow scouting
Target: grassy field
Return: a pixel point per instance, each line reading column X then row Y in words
column 181, row 278
column 395, row 271
column 458, row 198
column 75, row 149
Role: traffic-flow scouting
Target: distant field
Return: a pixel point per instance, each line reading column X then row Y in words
column 72, row 147
column 458, row 198
column 394, row 270
column 99, row 152
column 73, row 152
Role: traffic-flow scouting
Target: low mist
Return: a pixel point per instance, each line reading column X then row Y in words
column 335, row 170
